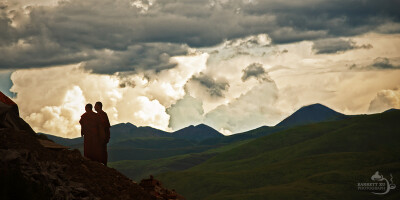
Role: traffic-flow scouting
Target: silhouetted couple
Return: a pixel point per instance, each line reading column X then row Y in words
column 96, row 133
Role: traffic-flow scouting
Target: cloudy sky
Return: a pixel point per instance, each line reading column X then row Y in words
column 232, row 64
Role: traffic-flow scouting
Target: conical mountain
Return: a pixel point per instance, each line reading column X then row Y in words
column 198, row 133
column 311, row 114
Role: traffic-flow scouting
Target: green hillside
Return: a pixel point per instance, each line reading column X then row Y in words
column 317, row 161
column 153, row 148
column 139, row 169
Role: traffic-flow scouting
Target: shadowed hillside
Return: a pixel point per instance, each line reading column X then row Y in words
column 317, row 161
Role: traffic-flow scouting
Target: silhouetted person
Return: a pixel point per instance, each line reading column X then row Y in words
column 91, row 127
column 105, row 125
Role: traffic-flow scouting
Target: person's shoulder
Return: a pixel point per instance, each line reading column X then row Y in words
column 93, row 114
column 102, row 112
column 97, row 115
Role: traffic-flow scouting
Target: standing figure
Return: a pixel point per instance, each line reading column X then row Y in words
column 91, row 124
column 105, row 125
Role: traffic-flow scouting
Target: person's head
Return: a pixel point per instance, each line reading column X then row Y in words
column 88, row 107
column 98, row 106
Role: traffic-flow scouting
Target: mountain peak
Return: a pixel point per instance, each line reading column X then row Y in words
column 316, row 106
column 391, row 109
column 126, row 125
column 311, row 114
column 202, row 126
column 198, row 132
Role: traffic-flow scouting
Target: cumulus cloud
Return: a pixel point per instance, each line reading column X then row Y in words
column 257, row 71
column 50, row 105
column 336, row 45
column 225, row 66
column 253, row 109
column 384, row 100
column 185, row 112
column 61, row 119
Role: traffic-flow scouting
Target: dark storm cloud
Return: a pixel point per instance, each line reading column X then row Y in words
column 40, row 52
column 384, row 63
column 7, row 33
column 147, row 56
column 75, row 30
column 215, row 87
column 336, row 45
column 255, row 70
column 316, row 18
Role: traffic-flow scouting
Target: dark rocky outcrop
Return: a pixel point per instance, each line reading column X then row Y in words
column 32, row 171
column 34, row 167
column 154, row 187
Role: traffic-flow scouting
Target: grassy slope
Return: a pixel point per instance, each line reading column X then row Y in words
column 317, row 161
column 153, row 148
column 139, row 169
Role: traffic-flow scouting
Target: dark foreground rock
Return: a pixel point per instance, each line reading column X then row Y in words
column 155, row 188
column 30, row 171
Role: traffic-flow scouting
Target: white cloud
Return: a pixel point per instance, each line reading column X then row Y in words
column 52, row 99
column 185, row 112
column 142, row 111
column 60, row 119
column 384, row 100
column 253, row 109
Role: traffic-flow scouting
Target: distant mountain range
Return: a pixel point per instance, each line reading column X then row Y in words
column 123, row 131
column 65, row 141
column 129, row 142
column 305, row 115
column 196, row 133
